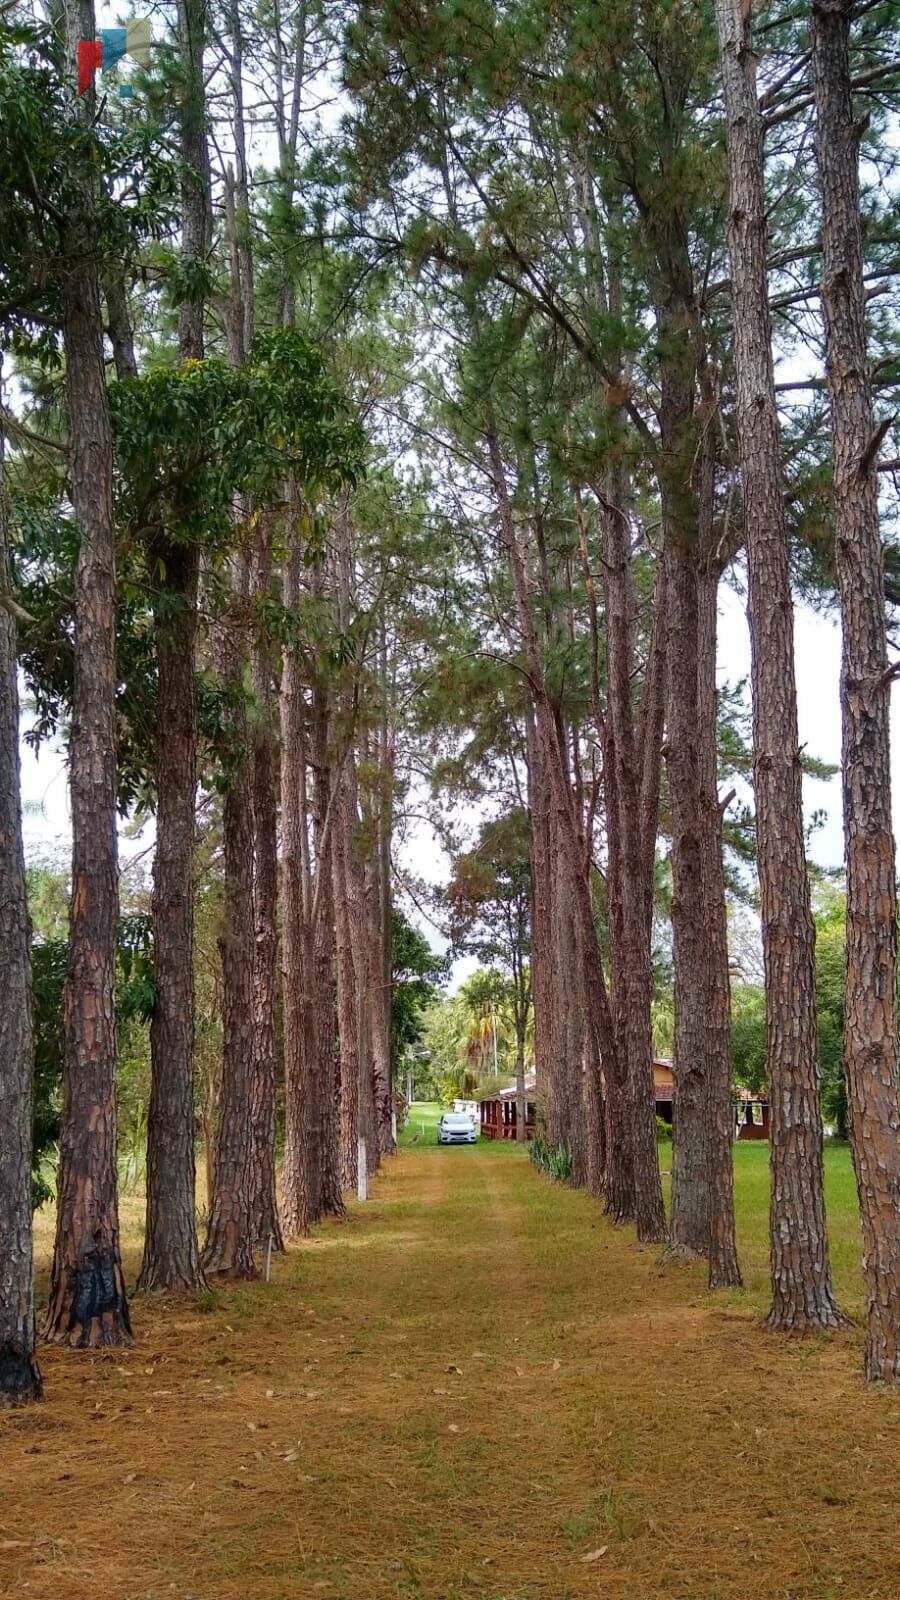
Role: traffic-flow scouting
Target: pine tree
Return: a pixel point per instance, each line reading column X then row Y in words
column 88, row 1305
column 20, row 1379
column 171, row 1250
column 802, row 1294
column 870, row 1021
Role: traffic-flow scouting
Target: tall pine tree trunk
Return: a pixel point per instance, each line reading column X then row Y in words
column 324, row 1132
column 386, row 910
column 296, row 895
column 570, row 1020
column 802, row 1294
column 263, row 1195
column 379, row 1013
column 378, row 990
column 365, row 972
column 171, row 1249
column 20, row 1379
column 261, row 1111
column 348, row 1022
column 229, row 1242
column 88, row 1305
column 724, row 1271
column 228, row 1250
column 326, row 1066
column 681, row 448
column 870, row 1019
column 541, row 916
column 702, row 1209
column 381, row 910
column 689, row 1226
column 358, row 962
column 576, row 953
column 521, row 1097
column 618, row 1185
column 633, row 952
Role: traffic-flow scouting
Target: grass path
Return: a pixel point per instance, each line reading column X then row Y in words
column 461, row 1393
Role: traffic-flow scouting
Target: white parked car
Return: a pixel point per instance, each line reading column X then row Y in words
column 457, row 1127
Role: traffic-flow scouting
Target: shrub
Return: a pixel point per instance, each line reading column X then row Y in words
column 554, row 1159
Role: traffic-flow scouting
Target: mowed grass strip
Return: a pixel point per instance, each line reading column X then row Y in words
column 472, row 1389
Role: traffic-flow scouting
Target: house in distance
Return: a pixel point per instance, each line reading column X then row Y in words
column 499, row 1114
column 498, row 1110
column 751, row 1111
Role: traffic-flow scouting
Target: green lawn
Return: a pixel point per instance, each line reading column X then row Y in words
column 751, row 1186
column 751, row 1178
column 422, row 1122
column 422, row 1125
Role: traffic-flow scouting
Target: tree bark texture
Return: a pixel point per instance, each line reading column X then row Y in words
column 689, row 1223
column 171, row 1248
column 295, row 894
column 541, row 923
column 326, row 1066
column 381, row 909
column 348, row 1022
column 633, row 955
column 569, row 1022
column 682, row 448
column 88, row 1305
column 377, row 1003
column 572, row 917
column 870, row 1018
column 366, row 970
column 263, row 1190
column 20, row 1379
column 802, row 1293
column 323, row 1063
column 702, row 1210
column 724, row 1271
column 228, row 1250
column 618, row 1183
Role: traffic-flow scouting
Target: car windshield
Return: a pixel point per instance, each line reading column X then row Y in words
column 457, row 1119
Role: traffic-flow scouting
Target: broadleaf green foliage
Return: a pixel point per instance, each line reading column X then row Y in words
column 135, row 993
column 748, row 1037
column 43, row 155
column 44, row 556
column 188, row 439
column 748, row 1016
column 488, row 896
column 48, row 974
column 418, row 974
column 830, row 940
column 47, row 890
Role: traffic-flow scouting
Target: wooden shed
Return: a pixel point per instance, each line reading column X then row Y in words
column 751, row 1111
column 499, row 1113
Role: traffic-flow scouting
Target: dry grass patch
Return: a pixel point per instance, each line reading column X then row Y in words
column 473, row 1389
